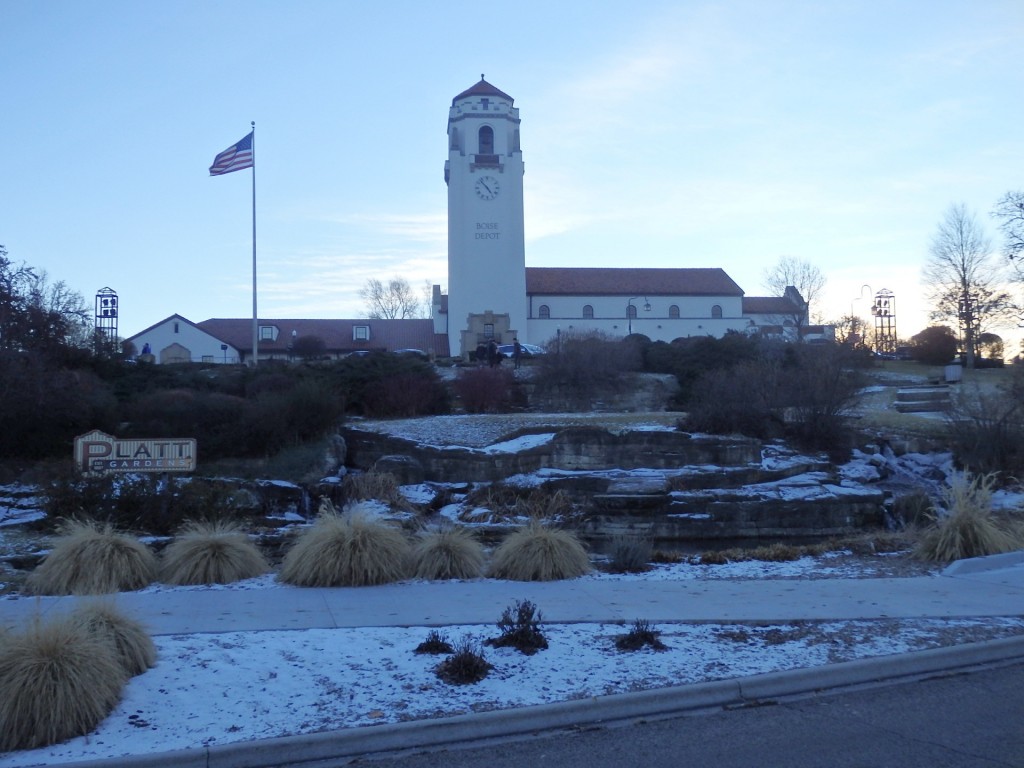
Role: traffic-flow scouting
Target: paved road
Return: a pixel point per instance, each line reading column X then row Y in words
column 973, row 719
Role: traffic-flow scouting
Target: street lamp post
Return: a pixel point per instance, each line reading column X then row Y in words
column 631, row 310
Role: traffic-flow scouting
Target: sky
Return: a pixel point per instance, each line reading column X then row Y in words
column 659, row 134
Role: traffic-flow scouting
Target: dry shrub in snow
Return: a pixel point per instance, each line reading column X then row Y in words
column 968, row 529
column 538, row 553
column 57, row 681
column 450, row 553
column 349, row 550
column 467, row 665
column 89, row 559
column 132, row 645
column 211, row 553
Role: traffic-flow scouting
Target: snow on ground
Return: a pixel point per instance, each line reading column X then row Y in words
column 239, row 686
column 218, row 688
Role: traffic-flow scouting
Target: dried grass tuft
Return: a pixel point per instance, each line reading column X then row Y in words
column 450, row 553
column 211, row 553
column 132, row 645
column 57, row 680
column 349, row 550
column 538, row 553
column 90, row 559
column 968, row 529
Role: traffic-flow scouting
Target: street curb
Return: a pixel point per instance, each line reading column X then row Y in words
column 339, row 747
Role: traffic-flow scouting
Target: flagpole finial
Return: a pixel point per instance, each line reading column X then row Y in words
column 252, row 123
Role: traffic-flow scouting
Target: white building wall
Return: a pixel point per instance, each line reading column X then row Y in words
column 566, row 315
column 200, row 346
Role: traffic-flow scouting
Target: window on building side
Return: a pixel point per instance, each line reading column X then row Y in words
column 266, row 333
column 175, row 327
column 360, row 333
column 716, row 311
column 486, row 140
column 488, row 330
column 588, row 312
column 544, row 312
column 630, row 310
column 673, row 311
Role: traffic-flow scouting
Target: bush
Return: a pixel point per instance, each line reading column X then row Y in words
column 640, row 636
column 390, row 386
column 986, row 429
column 450, row 553
column 520, row 629
column 140, row 502
column 57, row 681
column 349, row 550
column 538, row 553
column 434, row 644
column 584, row 365
column 88, row 558
column 934, row 346
column 467, row 665
column 631, row 554
column 968, row 527
column 211, row 553
column 133, row 647
column 488, row 390
column 46, row 405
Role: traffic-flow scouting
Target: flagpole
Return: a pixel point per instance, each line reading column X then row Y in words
column 255, row 321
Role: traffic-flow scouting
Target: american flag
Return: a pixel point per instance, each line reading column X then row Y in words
column 234, row 158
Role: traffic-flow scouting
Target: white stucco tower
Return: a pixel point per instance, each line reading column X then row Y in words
column 486, row 249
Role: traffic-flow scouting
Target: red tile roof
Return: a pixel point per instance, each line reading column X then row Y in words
column 482, row 88
column 337, row 335
column 769, row 305
column 598, row 281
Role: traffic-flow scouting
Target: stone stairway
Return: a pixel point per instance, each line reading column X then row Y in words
column 926, row 399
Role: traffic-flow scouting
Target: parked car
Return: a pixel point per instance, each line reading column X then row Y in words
column 529, row 350
column 413, row 352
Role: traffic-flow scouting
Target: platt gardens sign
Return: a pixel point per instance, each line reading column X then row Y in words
column 97, row 452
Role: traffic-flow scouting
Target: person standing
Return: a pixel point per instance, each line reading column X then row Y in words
column 517, row 352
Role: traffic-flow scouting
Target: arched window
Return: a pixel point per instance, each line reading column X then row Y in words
column 486, row 140
column 716, row 312
column 588, row 312
column 630, row 310
column 544, row 312
column 673, row 312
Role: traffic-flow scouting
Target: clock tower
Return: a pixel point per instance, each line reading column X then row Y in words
column 486, row 245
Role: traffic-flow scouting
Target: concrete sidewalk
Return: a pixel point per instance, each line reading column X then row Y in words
column 981, row 587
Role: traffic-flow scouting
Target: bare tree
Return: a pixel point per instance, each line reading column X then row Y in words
column 1010, row 213
column 962, row 281
column 392, row 300
column 806, row 278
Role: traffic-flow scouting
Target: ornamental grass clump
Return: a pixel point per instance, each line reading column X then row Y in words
column 211, row 553
column 89, row 559
column 132, row 645
column 539, row 553
column 968, row 528
column 57, row 680
column 630, row 554
column 353, row 549
column 449, row 553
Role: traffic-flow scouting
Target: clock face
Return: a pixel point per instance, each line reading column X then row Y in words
column 487, row 187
